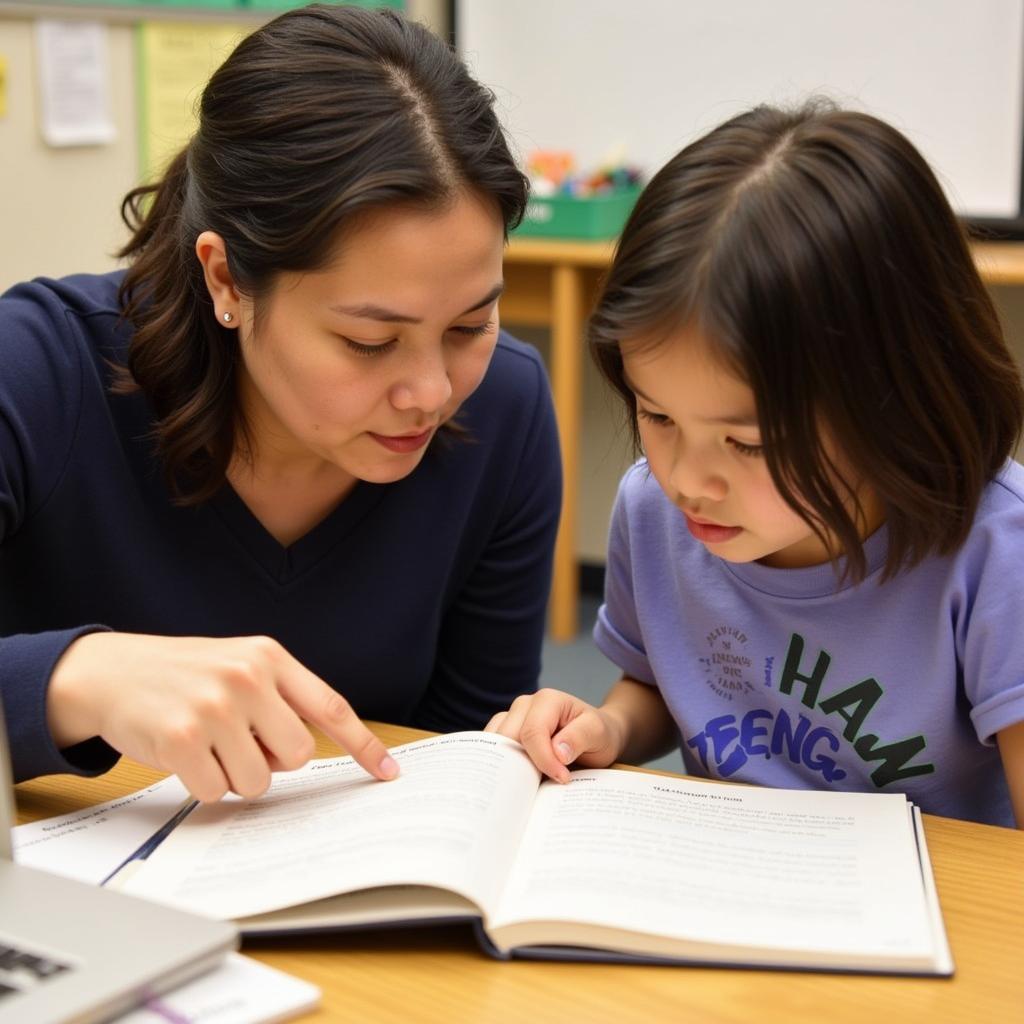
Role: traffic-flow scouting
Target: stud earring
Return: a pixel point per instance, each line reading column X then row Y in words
column 227, row 318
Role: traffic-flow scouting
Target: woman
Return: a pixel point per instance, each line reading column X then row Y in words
column 284, row 467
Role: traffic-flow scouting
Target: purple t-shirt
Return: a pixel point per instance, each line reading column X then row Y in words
column 783, row 677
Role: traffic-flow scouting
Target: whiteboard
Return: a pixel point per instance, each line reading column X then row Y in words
column 641, row 78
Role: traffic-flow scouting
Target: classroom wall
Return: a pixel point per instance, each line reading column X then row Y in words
column 58, row 215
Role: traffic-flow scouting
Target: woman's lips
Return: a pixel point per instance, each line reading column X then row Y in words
column 711, row 533
column 403, row 442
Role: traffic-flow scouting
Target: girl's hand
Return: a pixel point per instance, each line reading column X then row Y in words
column 557, row 729
column 220, row 713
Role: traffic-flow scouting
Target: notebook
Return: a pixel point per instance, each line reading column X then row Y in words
column 73, row 952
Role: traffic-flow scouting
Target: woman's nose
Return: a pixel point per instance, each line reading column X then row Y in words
column 425, row 386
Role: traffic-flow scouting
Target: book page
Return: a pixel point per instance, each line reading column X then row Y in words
column 735, row 865
column 452, row 819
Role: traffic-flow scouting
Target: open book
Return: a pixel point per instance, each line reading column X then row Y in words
column 613, row 865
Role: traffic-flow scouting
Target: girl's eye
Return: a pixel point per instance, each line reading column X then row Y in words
column 361, row 349
column 475, row 331
column 657, row 418
column 753, row 450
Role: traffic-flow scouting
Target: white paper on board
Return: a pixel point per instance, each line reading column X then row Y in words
column 74, row 76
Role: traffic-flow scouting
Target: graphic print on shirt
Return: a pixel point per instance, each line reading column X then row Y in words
column 728, row 668
column 727, row 742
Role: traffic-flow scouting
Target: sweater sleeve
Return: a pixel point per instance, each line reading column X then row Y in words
column 40, row 404
column 490, row 642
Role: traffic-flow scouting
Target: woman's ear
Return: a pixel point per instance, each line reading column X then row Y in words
column 213, row 255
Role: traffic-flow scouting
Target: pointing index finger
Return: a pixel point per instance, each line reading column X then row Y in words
column 318, row 704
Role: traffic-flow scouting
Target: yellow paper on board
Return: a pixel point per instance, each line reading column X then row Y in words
column 3, row 86
column 175, row 61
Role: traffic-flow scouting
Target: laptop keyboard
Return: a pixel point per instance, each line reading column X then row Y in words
column 21, row 969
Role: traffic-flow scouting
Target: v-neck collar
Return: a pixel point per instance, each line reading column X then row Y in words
column 283, row 565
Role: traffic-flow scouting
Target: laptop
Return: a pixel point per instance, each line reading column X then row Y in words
column 70, row 951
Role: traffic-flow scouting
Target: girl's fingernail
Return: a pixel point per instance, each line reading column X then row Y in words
column 388, row 767
column 565, row 752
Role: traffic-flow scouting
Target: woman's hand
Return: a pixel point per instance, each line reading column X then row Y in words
column 222, row 714
column 557, row 729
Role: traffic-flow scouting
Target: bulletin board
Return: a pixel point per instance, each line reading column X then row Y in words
column 175, row 56
column 150, row 7
column 61, row 202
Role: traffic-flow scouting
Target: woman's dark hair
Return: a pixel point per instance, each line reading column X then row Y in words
column 323, row 113
column 816, row 251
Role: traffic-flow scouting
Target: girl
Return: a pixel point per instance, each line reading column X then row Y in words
column 285, row 467
column 812, row 576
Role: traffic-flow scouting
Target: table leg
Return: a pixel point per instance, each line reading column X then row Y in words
column 567, row 388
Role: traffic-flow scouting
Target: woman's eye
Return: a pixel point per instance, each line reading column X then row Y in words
column 474, row 331
column 752, row 450
column 657, row 418
column 362, row 349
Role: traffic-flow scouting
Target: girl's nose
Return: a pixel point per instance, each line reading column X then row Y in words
column 696, row 478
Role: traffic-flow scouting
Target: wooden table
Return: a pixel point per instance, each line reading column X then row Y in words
column 553, row 283
column 439, row 975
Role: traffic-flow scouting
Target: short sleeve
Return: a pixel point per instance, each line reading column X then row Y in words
column 617, row 631
column 989, row 636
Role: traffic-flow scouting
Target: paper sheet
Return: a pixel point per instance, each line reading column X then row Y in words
column 175, row 61
column 241, row 991
column 74, row 76
column 90, row 843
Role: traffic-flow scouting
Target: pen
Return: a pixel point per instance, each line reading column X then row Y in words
column 147, row 847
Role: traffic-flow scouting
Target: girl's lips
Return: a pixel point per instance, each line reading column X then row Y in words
column 404, row 442
column 711, row 533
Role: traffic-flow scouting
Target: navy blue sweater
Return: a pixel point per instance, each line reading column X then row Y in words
column 422, row 601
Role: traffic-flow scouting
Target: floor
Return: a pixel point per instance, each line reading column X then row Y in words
column 580, row 668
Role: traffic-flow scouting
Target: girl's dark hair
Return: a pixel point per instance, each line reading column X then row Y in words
column 816, row 251
column 323, row 113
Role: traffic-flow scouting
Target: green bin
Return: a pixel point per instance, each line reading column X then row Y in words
column 600, row 216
